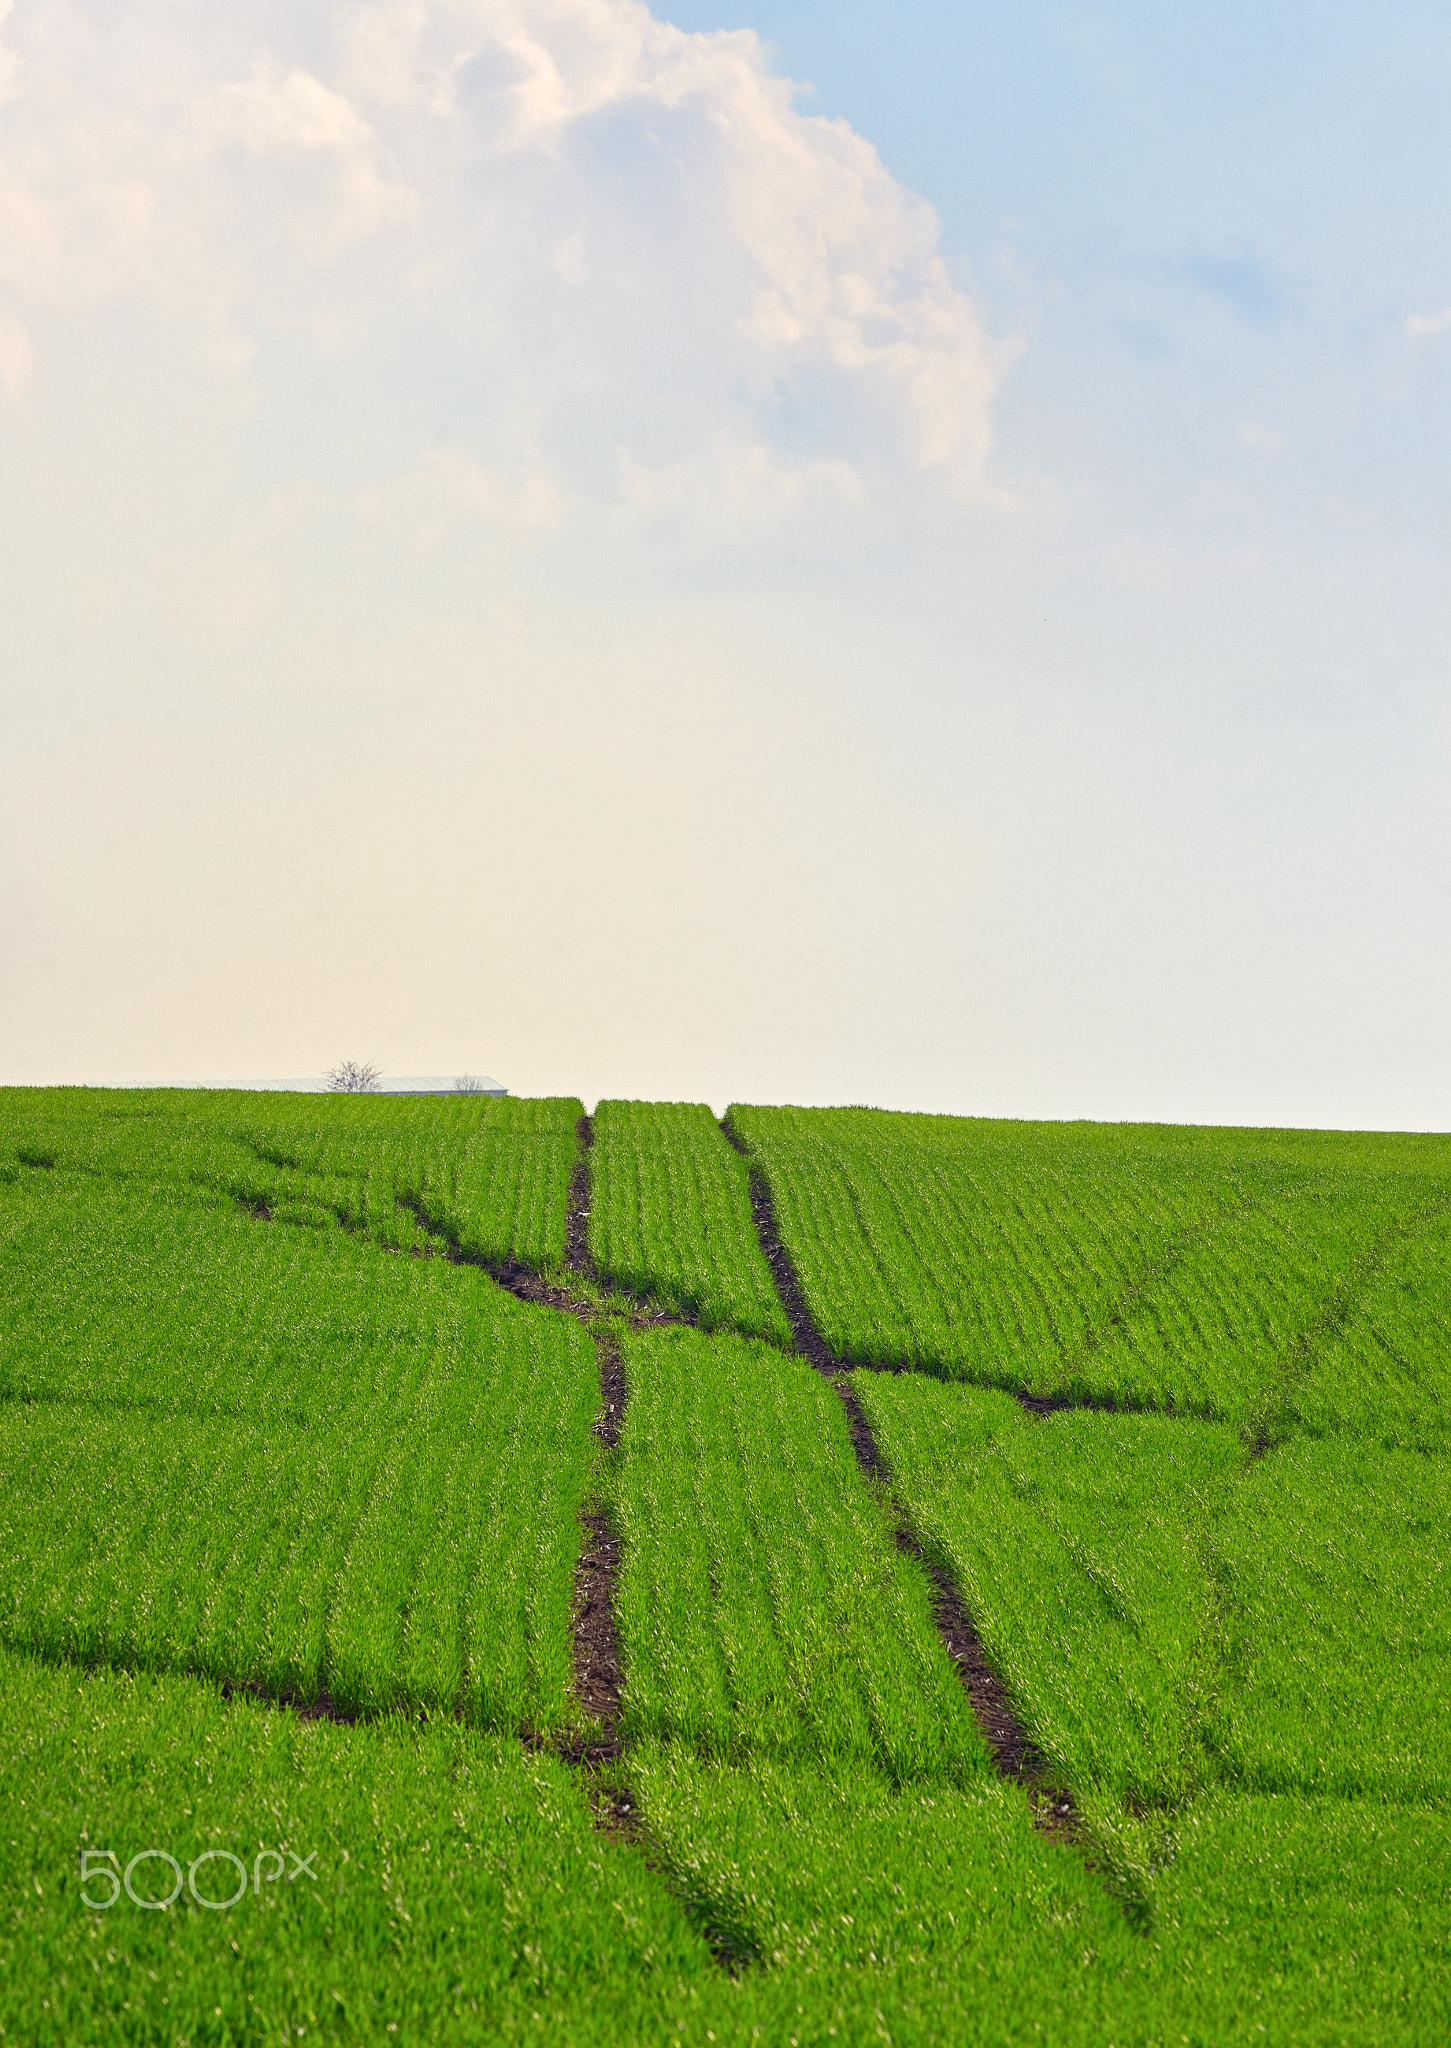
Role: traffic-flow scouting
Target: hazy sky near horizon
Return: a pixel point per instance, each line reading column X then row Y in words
column 790, row 552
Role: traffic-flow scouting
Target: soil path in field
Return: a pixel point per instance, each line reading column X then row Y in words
column 598, row 1672
column 323, row 1707
column 576, row 1219
column 526, row 1283
column 599, row 1754
column 1013, row 1749
column 809, row 1341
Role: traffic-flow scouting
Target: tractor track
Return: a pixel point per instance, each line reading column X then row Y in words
column 321, row 1707
column 599, row 1671
column 576, row 1216
column 599, row 1676
column 528, row 1284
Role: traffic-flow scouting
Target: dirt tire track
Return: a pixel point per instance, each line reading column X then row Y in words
column 599, row 1676
column 528, row 1284
column 599, row 1679
column 868, row 1453
column 1013, row 1749
column 598, row 1667
column 576, row 1217
column 809, row 1341
column 599, row 1671
column 322, row 1707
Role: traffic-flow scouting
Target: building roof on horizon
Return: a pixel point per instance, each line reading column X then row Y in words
column 388, row 1084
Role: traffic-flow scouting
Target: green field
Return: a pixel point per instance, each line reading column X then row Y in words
column 293, row 1512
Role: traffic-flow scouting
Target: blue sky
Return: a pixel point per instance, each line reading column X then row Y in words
column 890, row 555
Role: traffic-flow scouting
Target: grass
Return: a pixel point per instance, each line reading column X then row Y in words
column 1170, row 1612
column 1285, row 1919
column 1384, row 1373
column 938, row 1915
column 462, row 1895
column 1334, row 1563
column 925, row 1912
column 1077, row 1545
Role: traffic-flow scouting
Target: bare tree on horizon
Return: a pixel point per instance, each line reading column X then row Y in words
column 354, row 1077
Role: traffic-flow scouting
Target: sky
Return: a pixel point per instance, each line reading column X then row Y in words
column 764, row 551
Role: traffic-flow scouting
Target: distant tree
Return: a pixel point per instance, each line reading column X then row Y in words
column 354, row 1077
column 468, row 1084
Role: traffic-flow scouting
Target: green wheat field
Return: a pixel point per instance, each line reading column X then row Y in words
column 300, row 1492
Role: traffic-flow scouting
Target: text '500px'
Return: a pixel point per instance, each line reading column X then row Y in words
column 102, row 1867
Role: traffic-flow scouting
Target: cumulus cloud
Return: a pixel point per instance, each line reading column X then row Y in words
column 528, row 254
column 836, row 264
column 292, row 115
column 28, row 240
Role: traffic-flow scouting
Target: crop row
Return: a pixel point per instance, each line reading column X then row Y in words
column 274, row 1451
column 224, row 1439
column 670, row 1216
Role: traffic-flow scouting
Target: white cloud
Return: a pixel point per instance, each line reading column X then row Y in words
column 294, row 115
column 29, row 244
column 729, row 488
column 273, row 114
column 1426, row 326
